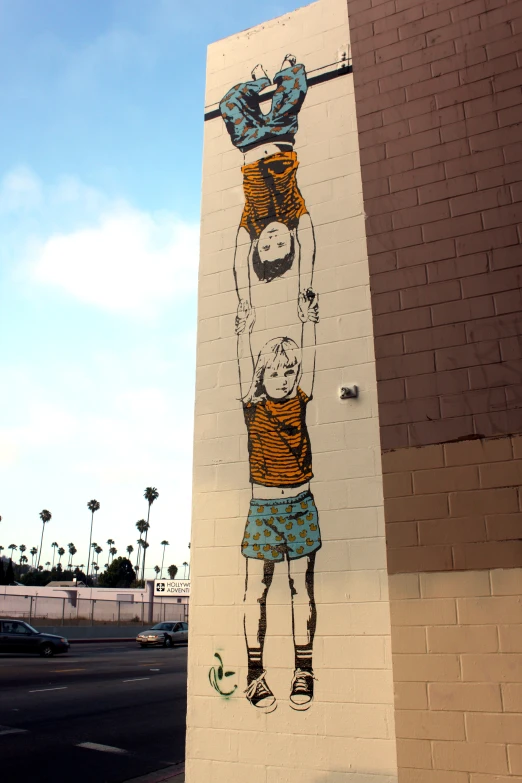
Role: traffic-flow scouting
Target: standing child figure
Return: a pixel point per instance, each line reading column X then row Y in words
column 275, row 227
column 282, row 524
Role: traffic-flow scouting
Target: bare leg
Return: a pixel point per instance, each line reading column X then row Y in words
column 289, row 61
column 304, row 621
column 259, row 575
column 304, row 611
column 258, row 72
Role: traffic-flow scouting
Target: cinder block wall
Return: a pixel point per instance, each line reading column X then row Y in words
column 457, row 667
column 347, row 736
column 438, row 97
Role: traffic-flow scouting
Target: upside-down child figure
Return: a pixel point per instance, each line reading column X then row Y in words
column 282, row 525
column 275, row 226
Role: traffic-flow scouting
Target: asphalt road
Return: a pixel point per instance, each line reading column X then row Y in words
column 103, row 712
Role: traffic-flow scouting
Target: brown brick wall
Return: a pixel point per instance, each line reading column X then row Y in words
column 438, row 88
column 457, row 664
column 456, row 506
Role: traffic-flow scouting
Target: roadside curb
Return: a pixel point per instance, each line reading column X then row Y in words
column 176, row 774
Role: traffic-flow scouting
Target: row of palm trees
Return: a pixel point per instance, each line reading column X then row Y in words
column 93, row 567
column 34, row 551
column 143, row 525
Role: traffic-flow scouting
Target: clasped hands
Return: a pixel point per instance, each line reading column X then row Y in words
column 307, row 310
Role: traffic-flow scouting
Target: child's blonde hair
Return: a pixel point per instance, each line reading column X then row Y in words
column 276, row 353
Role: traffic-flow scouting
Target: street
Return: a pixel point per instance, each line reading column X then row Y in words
column 103, row 712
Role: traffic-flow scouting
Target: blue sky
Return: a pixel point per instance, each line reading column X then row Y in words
column 100, row 161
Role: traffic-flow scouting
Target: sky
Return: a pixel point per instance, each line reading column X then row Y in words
column 100, row 176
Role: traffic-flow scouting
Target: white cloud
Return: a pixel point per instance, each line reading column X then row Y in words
column 100, row 250
column 131, row 261
column 20, row 190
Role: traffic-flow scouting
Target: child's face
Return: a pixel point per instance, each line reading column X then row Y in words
column 274, row 242
column 280, row 382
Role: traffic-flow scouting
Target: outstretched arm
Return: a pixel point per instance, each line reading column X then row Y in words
column 245, row 320
column 309, row 315
column 241, row 264
column 306, row 240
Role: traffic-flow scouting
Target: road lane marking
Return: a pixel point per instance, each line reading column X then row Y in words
column 137, row 679
column 154, row 670
column 59, row 671
column 42, row 690
column 102, row 748
column 8, row 730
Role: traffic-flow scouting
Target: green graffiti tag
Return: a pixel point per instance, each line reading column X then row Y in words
column 217, row 674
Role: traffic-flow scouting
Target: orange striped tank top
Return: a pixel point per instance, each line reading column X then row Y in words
column 278, row 442
column 271, row 193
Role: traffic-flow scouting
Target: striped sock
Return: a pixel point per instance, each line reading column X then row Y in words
column 303, row 656
column 255, row 663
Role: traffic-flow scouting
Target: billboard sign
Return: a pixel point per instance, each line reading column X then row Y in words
column 169, row 587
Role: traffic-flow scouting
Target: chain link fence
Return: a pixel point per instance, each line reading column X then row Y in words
column 77, row 611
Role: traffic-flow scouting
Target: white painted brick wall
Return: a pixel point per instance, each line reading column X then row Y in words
column 348, row 735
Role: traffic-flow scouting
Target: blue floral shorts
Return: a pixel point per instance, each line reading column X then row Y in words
column 283, row 528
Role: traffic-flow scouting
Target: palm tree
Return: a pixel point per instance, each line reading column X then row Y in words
column 185, row 567
column 151, row 494
column 61, row 553
column 96, row 568
column 22, row 549
column 110, row 542
column 55, row 546
column 93, row 547
column 98, row 551
column 72, row 552
column 112, row 552
column 45, row 516
column 23, row 560
column 141, row 524
column 93, row 506
column 157, row 570
column 138, row 555
column 12, row 547
column 130, row 550
column 33, row 552
column 48, row 563
column 164, row 543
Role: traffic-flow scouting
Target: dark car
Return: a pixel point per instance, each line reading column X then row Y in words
column 19, row 637
column 164, row 634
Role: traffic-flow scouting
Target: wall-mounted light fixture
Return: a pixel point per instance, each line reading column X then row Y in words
column 349, row 392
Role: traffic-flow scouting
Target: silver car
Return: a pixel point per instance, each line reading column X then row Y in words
column 164, row 634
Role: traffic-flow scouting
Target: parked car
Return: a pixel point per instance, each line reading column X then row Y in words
column 164, row 634
column 19, row 637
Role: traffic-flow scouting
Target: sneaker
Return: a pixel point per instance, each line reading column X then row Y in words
column 302, row 693
column 259, row 695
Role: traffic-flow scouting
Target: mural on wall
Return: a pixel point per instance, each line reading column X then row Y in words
column 275, row 241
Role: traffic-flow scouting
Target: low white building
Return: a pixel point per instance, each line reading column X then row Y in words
column 71, row 604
